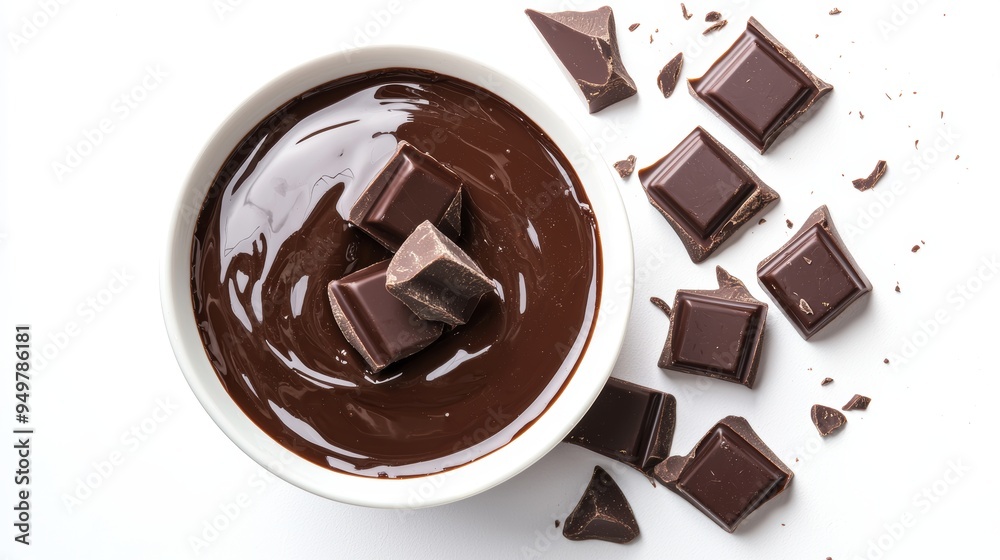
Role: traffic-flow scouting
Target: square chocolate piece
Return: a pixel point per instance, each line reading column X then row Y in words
column 758, row 86
column 379, row 326
column 629, row 423
column 705, row 192
column 410, row 188
column 728, row 475
column 716, row 333
column 813, row 278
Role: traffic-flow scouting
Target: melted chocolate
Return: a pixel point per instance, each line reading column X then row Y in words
column 273, row 232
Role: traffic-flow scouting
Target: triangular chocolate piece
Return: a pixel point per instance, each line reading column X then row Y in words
column 603, row 513
column 587, row 46
column 827, row 420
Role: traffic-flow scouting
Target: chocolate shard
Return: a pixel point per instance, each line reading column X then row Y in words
column 705, row 192
column 826, row 381
column 410, row 188
column 827, row 420
column 625, row 167
column 715, row 27
column 813, row 267
column 857, row 402
column 728, row 475
column 716, row 333
column 603, row 513
column 587, row 45
column 869, row 182
column 713, row 16
column 628, row 423
column 375, row 323
column 684, row 11
column 670, row 74
column 435, row 278
column 758, row 87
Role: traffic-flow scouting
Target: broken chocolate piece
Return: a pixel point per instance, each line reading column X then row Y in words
column 876, row 174
column 435, row 278
column 715, row 27
column 758, row 86
column 660, row 304
column 834, row 11
column 915, row 248
column 826, row 381
column 705, row 192
column 713, row 16
column 633, row 27
column 410, row 188
column 827, row 420
column 378, row 325
column 728, row 475
column 667, row 80
column 602, row 514
column 587, row 46
column 684, row 11
column 628, row 423
column 625, row 167
column 716, row 333
column 812, row 277
column 857, row 402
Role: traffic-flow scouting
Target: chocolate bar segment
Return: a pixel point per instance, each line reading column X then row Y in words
column 410, row 188
column 628, row 423
column 378, row 325
column 435, row 278
column 603, row 513
column 758, row 87
column 587, row 46
column 813, row 278
column 705, row 192
column 728, row 475
column 716, row 333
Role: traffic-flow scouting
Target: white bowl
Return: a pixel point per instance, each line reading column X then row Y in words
column 461, row 482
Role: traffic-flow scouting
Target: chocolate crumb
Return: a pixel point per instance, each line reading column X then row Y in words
column 862, row 115
column 915, row 144
column 915, row 249
column 625, row 167
column 885, row 361
column 834, row 11
column 650, row 38
column 897, row 287
column 888, row 97
column 632, row 27
column 684, row 11
column 761, row 221
column 826, row 381
column 817, row 35
column 956, row 157
column 827, row 420
column 667, row 80
column 715, row 27
column 942, row 114
column 876, row 174
column 789, row 223
column 857, row 402
column 662, row 305
column 557, row 523
column 713, row 16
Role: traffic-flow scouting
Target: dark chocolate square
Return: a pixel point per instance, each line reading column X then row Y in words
column 758, row 86
column 813, row 278
column 716, row 333
column 412, row 187
column 705, row 192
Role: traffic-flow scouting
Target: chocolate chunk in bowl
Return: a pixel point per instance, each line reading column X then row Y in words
column 452, row 411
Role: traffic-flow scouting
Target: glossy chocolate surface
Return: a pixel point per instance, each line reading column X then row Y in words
column 758, row 86
column 716, row 333
column 813, row 278
column 586, row 44
column 273, row 232
column 629, row 423
column 705, row 192
column 728, row 475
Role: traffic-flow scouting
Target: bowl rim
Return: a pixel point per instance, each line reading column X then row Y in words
column 545, row 432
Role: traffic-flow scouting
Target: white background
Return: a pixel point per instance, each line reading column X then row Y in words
column 926, row 448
